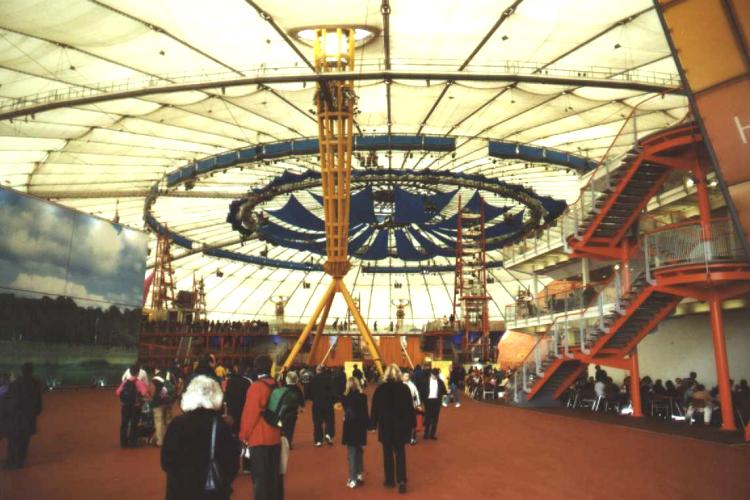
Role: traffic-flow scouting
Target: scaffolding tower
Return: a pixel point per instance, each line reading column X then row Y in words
column 162, row 287
column 199, row 294
column 470, row 285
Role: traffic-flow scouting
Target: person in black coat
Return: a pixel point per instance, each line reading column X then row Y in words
column 293, row 403
column 393, row 414
column 431, row 392
column 234, row 397
column 357, row 373
column 187, row 445
column 22, row 405
column 356, row 422
column 323, row 396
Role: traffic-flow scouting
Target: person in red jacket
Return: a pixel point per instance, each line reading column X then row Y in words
column 263, row 439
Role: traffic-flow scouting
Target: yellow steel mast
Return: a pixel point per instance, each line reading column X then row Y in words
column 335, row 100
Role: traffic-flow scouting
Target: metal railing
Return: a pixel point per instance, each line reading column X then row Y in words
column 91, row 89
column 546, row 303
column 572, row 221
column 688, row 245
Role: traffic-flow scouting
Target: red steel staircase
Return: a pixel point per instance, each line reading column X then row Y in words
column 655, row 272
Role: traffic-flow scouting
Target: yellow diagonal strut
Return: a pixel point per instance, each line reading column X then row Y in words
column 335, row 100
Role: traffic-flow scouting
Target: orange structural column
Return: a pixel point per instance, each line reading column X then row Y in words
column 635, row 384
column 722, row 366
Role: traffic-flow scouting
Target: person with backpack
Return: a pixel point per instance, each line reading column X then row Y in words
column 354, row 435
column 263, row 438
column 200, row 453
column 164, row 393
column 141, row 373
column 131, row 392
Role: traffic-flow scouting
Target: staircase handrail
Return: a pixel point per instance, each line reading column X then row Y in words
column 690, row 243
column 602, row 162
column 541, row 298
column 578, row 205
column 592, row 302
column 588, row 186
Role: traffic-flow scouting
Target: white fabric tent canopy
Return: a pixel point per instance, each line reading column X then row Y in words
column 103, row 156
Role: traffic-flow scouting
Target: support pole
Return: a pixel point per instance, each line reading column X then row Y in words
column 624, row 268
column 585, row 271
column 363, row 330
column 319, row 331
column 405, row 349
column 635, row 384
column 308, row 327
column 722, row 365
column 328, row 352
column 704, row 204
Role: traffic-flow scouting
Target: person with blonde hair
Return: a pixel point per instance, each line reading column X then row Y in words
column 393, row 414
column 193, row 439
column 354, row 435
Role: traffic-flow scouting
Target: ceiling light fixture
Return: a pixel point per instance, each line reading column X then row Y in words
column 362, row 35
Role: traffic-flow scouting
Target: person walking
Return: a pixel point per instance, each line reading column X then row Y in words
column 192, row 439
column 456, row 379
column 432, row 392
column 22, row 405
column 354, row 435
column 357, row 373
column 235, row 394
column 406, row 379
column 263, row 439
column 141, row 373
column 392, row 413
column 293, row 404
column 322, row 395
column 132, row 392
column 163, row 390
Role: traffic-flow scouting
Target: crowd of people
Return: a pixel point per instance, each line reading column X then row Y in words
column 254, row 327
column 685, row 396
column 242, row 418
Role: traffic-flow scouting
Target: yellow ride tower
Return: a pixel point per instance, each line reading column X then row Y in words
column 335, row 100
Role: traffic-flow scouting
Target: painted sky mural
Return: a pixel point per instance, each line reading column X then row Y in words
column 49, row 250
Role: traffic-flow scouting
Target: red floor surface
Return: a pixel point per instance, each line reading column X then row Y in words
column 483, row 451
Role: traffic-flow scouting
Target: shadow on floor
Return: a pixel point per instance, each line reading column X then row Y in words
column 652, row 424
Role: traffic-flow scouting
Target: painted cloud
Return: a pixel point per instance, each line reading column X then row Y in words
column 46, row 249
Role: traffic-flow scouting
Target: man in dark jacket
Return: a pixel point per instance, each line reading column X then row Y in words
column 322, row 395
column 292, row 404
column 357, row 373
column 23, row 403
column 234, row 396
column 393, row 414
column 457, row 376
column 431, row 393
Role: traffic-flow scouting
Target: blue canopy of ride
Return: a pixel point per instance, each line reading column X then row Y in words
column 295, row 214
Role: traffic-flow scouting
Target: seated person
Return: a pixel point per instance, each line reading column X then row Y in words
column 700, row 400
column 670, row 389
